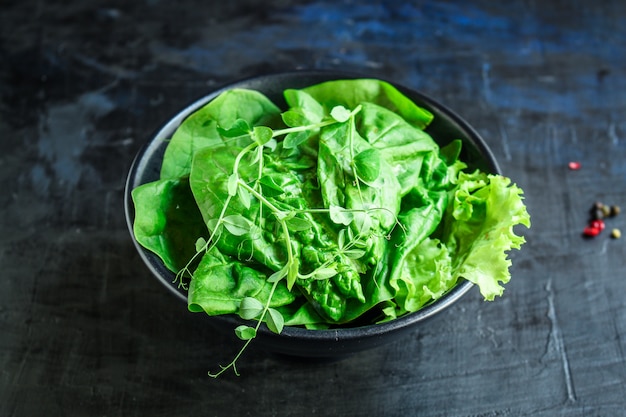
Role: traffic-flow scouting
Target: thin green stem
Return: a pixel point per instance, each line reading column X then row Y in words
column 241, row 154
column 286, row 131
column 262, row 199
column 233, row 363
column 326, row 264
column 280, row 215
column 257, row 184
column 357, row 181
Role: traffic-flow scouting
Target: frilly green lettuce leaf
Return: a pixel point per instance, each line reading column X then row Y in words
column 479, row 229
column 477, row 237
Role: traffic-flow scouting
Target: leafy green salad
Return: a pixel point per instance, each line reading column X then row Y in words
column 339, row 211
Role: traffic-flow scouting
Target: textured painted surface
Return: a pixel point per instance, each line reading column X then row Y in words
column 84, row 330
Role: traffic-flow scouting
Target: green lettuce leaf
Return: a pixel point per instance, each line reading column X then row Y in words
column 479, row 231
column 200, row 129
column 424, row 274
column 168, row 221
column 474, row 244
column 351, row 93
column 219, row 284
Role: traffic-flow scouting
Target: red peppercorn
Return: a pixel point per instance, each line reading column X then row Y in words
column 597, row 224
column 591, row 231
column 574, row 165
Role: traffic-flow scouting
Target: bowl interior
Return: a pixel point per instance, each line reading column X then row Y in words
column 445, row 127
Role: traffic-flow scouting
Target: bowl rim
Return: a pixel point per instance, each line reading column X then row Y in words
column 343, row 333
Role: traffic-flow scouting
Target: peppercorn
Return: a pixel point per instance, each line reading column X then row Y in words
column 574, row 165
column 597, row 224
column 597, row 214
column 591, row 231
column 596, row 211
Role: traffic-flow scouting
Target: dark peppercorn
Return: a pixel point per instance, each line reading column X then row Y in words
column 597, row 214
column 596, row 211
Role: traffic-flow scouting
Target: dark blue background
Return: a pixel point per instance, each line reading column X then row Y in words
column 84, row 328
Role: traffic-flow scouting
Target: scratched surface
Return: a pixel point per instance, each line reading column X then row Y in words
column 84, row 330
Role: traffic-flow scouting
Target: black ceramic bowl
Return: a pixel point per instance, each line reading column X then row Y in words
column 295, row 341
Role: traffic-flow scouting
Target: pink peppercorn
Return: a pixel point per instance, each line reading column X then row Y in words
column 597, row 224
column 591, row 231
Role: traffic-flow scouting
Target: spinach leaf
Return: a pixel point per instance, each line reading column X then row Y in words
column 220, row 283
column 313, row 246
column 302, row 313
column 351, row 93
column 209, row 179
column 402, row 145
column 378, row 200
column 329, row 297
column 167, row 221
column 376, row 288
column 303, row 107
column 200, row 129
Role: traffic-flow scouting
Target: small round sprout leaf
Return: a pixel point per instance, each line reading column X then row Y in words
column 367, row 165
column 278, row 275
column 244, row 332
column 297, row 224
column 275, row 321
column 232, row 184
column 240, row 127
column 236, row 224
column 339, row 215
column 200, row 244
column 340, row 114
column 324, row 273
column 294, row 118
column 250, row 308
column 341, row 238
column 262, row 134
column 354, row 253
column 244, row 197
column 293, row 139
